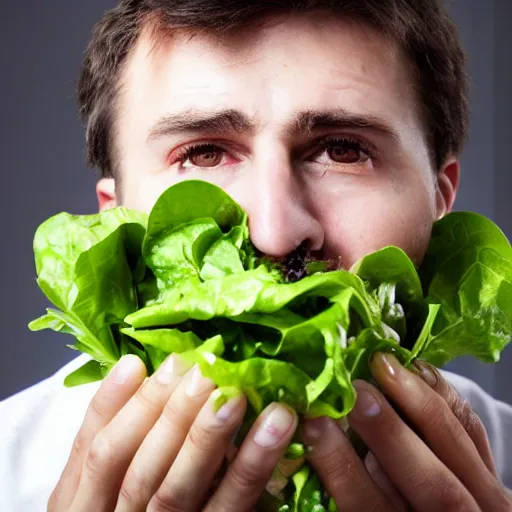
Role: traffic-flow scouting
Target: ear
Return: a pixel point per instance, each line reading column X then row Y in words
column 106, row 194
column 447, row 186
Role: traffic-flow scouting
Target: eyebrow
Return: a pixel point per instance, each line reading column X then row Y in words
column 305, row 123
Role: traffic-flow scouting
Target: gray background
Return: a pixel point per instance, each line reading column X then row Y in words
column 43, row 171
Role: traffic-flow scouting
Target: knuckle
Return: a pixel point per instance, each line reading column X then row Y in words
column 101, row 454
column 433, row 412
column 135, row 488
column 98, row 408
column 336, row 465
column 475, row 428
column 341, row 473
column 449, row 496
column 147, row 398
column 172, row 412
column 428, row 406
column 129, row 495
column 200, row 438
column 245, row 476
column 79, row 447
column 176, row 418
column 469, row 419
column 458, row 405
column 164, row 503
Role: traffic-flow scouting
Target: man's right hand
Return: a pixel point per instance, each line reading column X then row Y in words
column 157, row 444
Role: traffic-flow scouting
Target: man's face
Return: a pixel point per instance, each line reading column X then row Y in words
column 314, row 129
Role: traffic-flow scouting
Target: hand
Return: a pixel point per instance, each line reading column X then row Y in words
column 157, row 444
column 436, row 459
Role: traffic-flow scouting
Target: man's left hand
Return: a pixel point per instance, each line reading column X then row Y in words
column 437, row 458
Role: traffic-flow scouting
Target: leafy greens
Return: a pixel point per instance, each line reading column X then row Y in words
column 186, row 279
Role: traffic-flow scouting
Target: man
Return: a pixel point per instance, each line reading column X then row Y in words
column 337, row 124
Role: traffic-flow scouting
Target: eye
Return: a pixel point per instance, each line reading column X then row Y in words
column 337, row 150
column 204, row 155
column 342, row 150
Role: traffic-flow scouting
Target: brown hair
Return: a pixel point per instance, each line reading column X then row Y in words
column 422, row 28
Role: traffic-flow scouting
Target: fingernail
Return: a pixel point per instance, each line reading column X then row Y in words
column 314, row 429
column 224, row 401
column 371, row 463
column 198, row 384
column 172, row 367
column 126, row 368
column 274, row 426
column 227, row 410
column 384, row 365
column 367, row 404
column 426, row 372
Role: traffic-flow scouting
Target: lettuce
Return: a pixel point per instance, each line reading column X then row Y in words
column 186, row 279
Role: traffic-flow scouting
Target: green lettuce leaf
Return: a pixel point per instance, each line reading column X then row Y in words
column 92, row 371
column 467, row 271
column 188, row 280
column 85, row 266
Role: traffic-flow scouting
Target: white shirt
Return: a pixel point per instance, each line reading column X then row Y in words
column 38, row 427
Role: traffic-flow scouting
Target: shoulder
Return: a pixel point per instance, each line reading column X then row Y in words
column 39, row 425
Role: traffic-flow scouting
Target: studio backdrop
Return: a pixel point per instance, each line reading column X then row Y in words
column 43, row 168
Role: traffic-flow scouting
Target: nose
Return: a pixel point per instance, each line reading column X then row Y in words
column 280, row 218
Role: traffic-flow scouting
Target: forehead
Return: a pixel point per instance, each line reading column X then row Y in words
column 313, row 61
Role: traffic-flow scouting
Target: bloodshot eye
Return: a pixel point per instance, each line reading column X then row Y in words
column 202, row 155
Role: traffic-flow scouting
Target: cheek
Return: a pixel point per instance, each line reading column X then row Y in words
column 140, row 192
column 372, row 219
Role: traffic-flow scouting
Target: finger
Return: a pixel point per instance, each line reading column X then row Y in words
column 117, row 388
column 431, row 415
column 384, row 483
column 191, row 476
column 157, row 452
column 114, row 446
column 420, row 477
column 462, row 410
column 259, row 454
column 340, row 469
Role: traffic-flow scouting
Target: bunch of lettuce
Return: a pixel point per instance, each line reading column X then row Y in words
column 187, row 279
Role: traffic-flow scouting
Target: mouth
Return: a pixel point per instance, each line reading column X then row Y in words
column 302, row 262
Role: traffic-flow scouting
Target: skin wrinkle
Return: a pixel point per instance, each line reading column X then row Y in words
column 347, row 211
